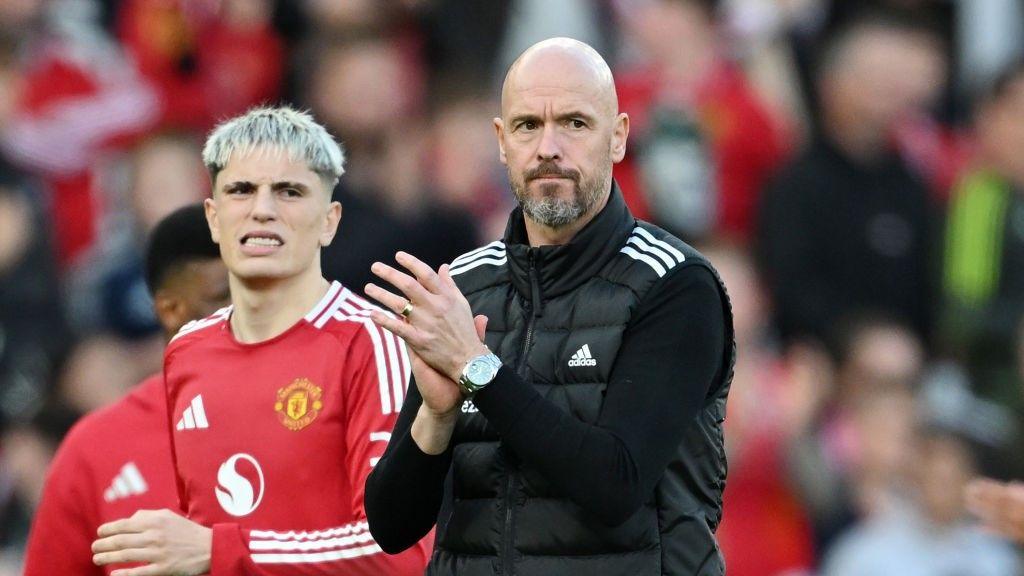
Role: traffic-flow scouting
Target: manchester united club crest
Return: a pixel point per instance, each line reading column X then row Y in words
column 298, row 404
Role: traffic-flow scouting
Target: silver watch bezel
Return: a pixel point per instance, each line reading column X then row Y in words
column 489, row 360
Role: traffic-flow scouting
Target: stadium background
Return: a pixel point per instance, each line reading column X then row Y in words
column 866, row 421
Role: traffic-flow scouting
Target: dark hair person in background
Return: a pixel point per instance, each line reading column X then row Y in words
column 118, row 460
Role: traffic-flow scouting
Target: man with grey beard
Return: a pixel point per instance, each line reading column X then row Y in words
column 571, row 378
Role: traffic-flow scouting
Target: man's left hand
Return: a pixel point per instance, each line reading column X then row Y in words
column 169, row 544
column 440, row 328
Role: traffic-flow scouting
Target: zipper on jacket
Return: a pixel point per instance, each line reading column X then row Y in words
column 536, row 310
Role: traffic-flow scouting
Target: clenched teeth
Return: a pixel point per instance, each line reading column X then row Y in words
column 257, row 241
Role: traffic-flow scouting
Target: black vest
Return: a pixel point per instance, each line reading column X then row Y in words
column 499, row 516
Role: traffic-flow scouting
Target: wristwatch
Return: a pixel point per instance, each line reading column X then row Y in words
column 478, row 373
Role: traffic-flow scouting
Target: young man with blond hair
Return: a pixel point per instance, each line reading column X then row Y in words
column 282, row 403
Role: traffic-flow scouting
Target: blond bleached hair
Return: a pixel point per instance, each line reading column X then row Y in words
column 291, row 131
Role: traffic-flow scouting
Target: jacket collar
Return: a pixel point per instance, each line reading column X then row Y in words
column 560, row 269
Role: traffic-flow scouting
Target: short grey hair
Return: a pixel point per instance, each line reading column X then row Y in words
column 293, row 131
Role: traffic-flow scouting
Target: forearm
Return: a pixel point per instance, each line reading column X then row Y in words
column 404, row 490
column 433, row 432
column 584, row 462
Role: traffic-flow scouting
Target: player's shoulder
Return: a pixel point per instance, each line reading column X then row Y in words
column 99, row 430
column 650, row 250
column 480, row 267
column 342, row 313
column 197, row 330
column 146, row 398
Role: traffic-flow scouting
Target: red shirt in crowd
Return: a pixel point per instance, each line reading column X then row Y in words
column 273, row 441
column 113, row 463
column 746, row 143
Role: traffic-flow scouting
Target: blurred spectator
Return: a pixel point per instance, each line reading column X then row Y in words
column 19, row 18
column 107, row 290
column 1000, row 505
column 355, row 17
column 983, row 280
column 463, row 165
column 843, row 454
column 924, row 531
column 386, row 204
column 102, row 367
column 847, row 226
column 27, row 448
column 764, row 530
column 465, row 36
column 990, row 36
column 208, row 59
column 760, row 33
column 530, row 21
column 167, row 173
column 704, row 142
column 33, row 333
column 64, row 122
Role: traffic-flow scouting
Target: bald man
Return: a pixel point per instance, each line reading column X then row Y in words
column 571, row 378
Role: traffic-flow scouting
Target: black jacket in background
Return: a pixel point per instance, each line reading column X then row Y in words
column 368, row 233
column 837, row 238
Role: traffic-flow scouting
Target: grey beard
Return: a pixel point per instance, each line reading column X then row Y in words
column 557, row 212
column 552, row 212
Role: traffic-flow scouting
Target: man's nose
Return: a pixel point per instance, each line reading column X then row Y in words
column 549, row 147
column 264, row 207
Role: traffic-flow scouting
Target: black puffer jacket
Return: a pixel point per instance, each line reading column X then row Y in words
column 557, row 315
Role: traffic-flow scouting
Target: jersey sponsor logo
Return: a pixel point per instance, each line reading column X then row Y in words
column 582, row 357
column 235, row 489
column 298, row 404
column 127, row 482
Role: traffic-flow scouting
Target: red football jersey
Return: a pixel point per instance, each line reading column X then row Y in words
column 273, row 441
column 113, row 463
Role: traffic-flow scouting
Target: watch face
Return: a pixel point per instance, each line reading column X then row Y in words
column 480, row 372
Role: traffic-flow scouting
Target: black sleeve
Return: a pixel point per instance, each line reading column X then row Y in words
column 405, row 488
column 671, row 353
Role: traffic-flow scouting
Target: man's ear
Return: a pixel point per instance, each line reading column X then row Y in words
column 331, row 222
column 210, row 207
column 620, row 133
column 170, row 311
column 499, row 131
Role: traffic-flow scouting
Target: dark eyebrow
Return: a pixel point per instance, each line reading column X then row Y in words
column 286, row 184
column 560, row 118
column 519, row 118
column 576, row 114
column 240, row 185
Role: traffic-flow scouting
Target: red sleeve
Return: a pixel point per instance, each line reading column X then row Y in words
column 178, row 483
column 376, row 375
column 65, row 523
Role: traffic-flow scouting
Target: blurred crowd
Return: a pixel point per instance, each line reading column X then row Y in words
column 854, row 169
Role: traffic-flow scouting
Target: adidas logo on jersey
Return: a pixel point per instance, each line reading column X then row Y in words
column 128, row 482
column 194, row 417
column 582, row 357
